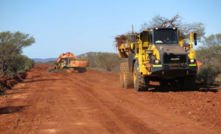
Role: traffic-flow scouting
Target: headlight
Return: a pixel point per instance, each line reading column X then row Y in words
column 191, row 60
column 156, row 61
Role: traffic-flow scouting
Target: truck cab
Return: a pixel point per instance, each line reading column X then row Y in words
column 158, row 54
column 169, row 58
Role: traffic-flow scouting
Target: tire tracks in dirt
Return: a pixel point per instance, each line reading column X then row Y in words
column 118, row 121
column 153, row 115
column 93, row 103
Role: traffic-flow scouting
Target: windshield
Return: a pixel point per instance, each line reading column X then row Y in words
column 186, row 41
column 165, row 36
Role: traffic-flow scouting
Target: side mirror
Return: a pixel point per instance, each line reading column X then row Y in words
column 150, row 38
column 195, row 38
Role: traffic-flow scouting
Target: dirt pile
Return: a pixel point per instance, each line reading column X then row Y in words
column 120, row 39
column 9, row 82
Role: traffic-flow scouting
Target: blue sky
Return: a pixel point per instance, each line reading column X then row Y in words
column 81, row 26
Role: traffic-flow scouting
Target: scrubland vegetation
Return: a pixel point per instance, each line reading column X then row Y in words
column 11, row 59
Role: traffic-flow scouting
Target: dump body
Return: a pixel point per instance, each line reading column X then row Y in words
column 159, row 54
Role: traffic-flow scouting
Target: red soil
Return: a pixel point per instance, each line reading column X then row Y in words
column 93, row 102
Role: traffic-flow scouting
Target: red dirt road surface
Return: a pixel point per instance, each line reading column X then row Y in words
column 94, row 103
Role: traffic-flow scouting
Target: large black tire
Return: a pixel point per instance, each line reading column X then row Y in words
column 188, row 83
column 82, row 70
column 163, row 83
column 141, row 83
column 121, row 74
column 128, row 77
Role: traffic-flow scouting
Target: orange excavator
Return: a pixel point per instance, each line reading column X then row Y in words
column 70, row 62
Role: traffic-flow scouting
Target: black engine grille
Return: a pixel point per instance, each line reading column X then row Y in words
column 175, row 66
column 171, row 58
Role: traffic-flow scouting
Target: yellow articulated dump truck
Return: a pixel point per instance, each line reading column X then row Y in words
column 158, row 54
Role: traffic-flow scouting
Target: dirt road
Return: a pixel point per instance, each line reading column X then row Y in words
column 94, row 103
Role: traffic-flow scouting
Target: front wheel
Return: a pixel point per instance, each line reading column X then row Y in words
column 188, row 83
column 141, row 83
column 121, row 75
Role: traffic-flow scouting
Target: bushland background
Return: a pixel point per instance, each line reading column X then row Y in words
column 208, row 53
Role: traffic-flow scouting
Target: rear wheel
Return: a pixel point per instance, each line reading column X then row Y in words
column 163, row 83
column 188, row 82
column 141, row 83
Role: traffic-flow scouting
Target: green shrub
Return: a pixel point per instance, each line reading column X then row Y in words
column 219, row 89
column 218, row 78
column 207, row 75
column 55, row 70
column 50, row 63
column 60, row 70
column 47, row 63
column 20, row 64
column 27, row 68
column 50, row 70
column 103, row 61
column 2, row 93
column 39, row 62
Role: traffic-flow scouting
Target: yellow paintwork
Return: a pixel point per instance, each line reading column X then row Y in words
column 62, row 63
column 157, row 65
column 191, row 65
column 143, row 46
column 181, row 41
column 191, row 54
column 123, row 48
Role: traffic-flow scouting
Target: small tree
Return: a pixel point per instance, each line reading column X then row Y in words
column 104, row 61
column 11, row 44
column 210, row 52
column 206, row 74
column 210, row 56
column 176, row 21
column 18, row 63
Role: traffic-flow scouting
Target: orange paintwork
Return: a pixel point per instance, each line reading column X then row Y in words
column 79, row 63
column 65, row 55
column 74, row 62
column 198, row 64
